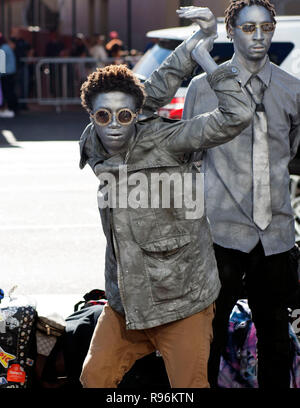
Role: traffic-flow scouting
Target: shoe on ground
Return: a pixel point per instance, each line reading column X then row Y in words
column 7, row 114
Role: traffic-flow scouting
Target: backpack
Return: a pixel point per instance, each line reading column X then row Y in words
column 238, row 366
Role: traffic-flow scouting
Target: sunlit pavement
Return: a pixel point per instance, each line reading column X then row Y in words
column 51, row 241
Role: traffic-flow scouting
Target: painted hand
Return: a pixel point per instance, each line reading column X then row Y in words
column 200, row 15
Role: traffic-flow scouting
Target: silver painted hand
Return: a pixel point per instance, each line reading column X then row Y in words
column 200, row 15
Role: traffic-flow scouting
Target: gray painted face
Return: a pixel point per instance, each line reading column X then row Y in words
column 114, row 136
column 255, row 46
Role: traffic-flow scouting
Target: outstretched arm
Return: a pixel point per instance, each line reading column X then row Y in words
column 205, row 19
column 164, row 82
column 201, row 54
column 234, row 112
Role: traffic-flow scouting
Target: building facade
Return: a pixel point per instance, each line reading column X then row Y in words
column 131, row 18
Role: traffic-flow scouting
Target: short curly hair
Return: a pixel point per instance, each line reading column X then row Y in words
column 112, row 78
column 235, row 6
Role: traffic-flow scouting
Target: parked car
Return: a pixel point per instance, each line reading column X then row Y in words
column 284, row 51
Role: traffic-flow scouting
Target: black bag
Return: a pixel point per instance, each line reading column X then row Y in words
column 146, row 373
column 17, row 342
column 294, row 278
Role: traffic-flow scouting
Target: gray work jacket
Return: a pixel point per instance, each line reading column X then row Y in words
column 160, row 265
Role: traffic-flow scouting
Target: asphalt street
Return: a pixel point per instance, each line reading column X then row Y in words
column 51, row 241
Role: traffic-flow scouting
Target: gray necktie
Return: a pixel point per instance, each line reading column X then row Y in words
column 262, row 211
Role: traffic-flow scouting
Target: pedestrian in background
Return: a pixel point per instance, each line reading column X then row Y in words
column 21, row 49
column 115, row 47
column 10, row 101
column 97, row 49
column 54, row 46
column 79, row 47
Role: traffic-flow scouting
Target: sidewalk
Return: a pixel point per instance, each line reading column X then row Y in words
column 62, row 305
column 51, row 240
column 43, row 125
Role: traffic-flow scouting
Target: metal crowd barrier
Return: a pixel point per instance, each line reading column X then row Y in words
column 57, row 81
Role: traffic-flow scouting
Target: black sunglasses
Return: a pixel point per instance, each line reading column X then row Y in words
column 249, row 28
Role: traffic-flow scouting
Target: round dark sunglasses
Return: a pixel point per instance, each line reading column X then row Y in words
column 104, row 116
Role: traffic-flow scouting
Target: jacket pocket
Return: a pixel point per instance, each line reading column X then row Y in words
column 167, row 264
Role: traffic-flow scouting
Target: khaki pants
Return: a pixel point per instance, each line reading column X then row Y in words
column 183, row 344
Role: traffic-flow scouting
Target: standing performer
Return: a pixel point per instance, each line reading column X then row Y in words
column 161, row 275
column 247, row 193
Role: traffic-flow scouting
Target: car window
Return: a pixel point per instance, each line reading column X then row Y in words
column 221, row 52
column 150, row 61
column 279, row 51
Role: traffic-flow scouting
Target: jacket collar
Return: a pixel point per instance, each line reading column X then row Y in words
column 93, row 152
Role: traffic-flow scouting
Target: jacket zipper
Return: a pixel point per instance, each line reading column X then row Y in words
column 116, row 248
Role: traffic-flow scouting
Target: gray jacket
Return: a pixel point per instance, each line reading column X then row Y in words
column 160, row 265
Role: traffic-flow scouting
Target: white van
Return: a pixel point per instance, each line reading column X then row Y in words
column 284, row 51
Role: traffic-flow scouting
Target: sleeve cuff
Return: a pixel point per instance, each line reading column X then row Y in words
column 229, row 71
column 188, row 65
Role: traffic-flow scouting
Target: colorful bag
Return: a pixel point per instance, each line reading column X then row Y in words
column 238, row 367
column 295, row 371
column 17, row 342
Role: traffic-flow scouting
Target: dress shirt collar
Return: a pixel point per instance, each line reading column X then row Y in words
column 264, row 74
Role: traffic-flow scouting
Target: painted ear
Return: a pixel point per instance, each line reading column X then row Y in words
column 230, row 31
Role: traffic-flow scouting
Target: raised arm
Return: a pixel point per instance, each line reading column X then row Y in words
column 164, row 82
column 234, row 112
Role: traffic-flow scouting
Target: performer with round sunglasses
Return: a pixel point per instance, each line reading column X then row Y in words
column 247, row 193
column 161, row 277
